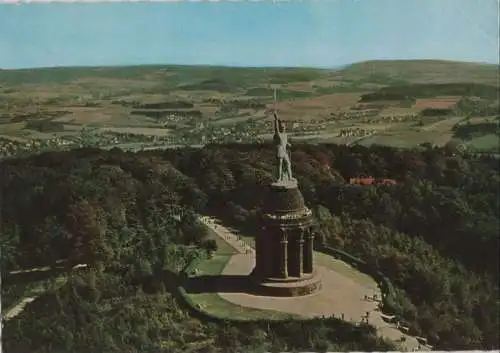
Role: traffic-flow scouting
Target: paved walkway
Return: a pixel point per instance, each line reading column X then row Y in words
column 227, row 235
column 341, row 295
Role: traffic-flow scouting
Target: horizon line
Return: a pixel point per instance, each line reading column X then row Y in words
column 236, row 66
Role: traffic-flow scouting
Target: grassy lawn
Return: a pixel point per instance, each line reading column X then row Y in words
column 212, row 303
column 486, row 142
column 213, row 266
column 333, row 264
column 233, row 120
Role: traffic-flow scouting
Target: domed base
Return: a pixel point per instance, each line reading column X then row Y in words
column 283, row 197
column 288, row 287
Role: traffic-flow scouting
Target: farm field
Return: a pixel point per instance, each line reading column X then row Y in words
column 148, row 131
column 397, row 111
column 486, row 142
column 443, row 126
column 436, row 103
column 407, row 140
column 310, row 108
column 184, row 105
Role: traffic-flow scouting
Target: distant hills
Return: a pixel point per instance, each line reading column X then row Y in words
column 423, row 71
column 385, row 72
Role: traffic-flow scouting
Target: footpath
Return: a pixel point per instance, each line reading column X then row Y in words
column 349, row 299
column 34, row 293
column 227, row 235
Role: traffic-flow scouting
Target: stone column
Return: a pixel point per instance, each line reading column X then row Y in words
column 284, row 254
column 300, row 257
column 294, row 255
column 311, row 250
column 308, row 252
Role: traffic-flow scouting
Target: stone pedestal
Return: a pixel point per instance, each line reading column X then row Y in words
column 284, row 246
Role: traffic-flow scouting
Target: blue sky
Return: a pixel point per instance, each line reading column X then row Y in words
column 325, row 33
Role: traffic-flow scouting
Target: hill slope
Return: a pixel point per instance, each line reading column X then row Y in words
column 371, row 71
column 423, row 71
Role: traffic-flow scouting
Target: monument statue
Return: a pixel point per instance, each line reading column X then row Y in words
column 280, row 140
column 284, row 244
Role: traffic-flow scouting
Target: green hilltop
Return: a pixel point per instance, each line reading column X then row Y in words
column 378, row 71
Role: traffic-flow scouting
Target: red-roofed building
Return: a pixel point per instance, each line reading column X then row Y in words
column 362, row 181
column 371, row 181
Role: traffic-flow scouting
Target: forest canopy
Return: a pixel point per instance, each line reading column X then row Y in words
column 434, row 234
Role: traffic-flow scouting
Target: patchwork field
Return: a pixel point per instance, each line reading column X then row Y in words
column 139, row 131
column 442, row 126
column 396, row 103
column 310, row 107
column 437, row 103
column 486, row 142
column 397, row 111
column 407, row 139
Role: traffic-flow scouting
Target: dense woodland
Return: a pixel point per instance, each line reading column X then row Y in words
column 468, row 131
column 431, row 90
column 434, row 235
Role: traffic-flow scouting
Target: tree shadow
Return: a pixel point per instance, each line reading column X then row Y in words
column 219, row 283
